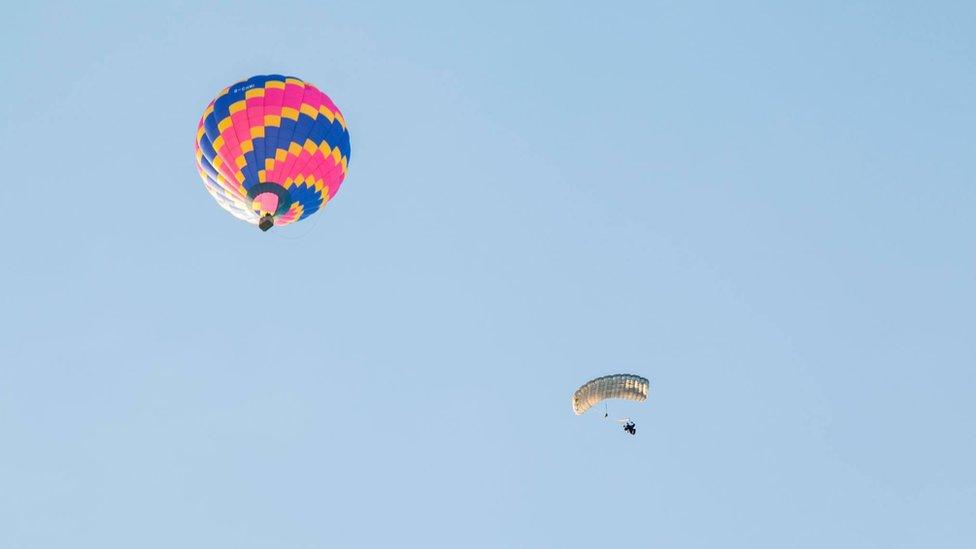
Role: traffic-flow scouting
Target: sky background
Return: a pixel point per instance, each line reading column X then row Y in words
column 766, row 208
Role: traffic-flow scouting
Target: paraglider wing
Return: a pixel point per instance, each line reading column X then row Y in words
column 625, row 386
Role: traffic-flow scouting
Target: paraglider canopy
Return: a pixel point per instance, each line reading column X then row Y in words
column 623, row 386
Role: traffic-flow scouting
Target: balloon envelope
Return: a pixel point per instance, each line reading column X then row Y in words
column 272, row 149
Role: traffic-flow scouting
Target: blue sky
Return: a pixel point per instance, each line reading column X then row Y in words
column 766, row 208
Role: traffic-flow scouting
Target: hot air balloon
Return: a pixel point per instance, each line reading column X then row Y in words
column 272, row 150
column 623, row 386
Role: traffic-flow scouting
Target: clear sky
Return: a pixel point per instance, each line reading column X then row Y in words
column 766, row 208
